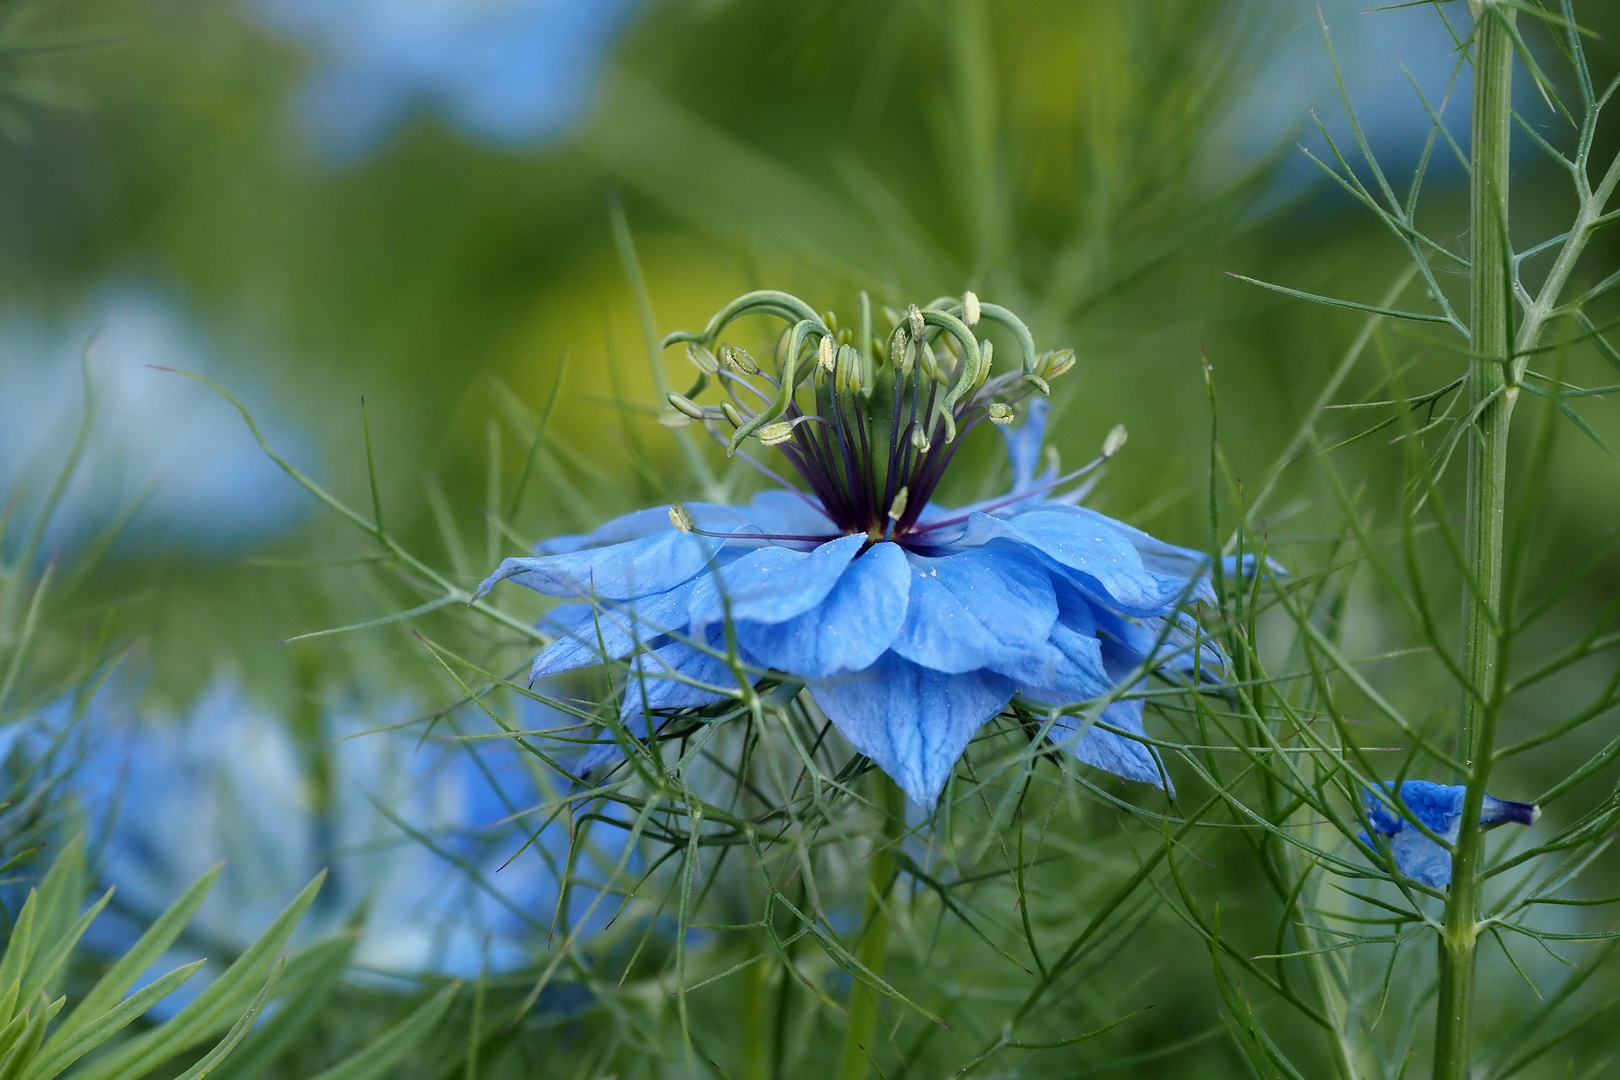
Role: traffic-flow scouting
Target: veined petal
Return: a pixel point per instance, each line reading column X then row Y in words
column 663, row 678
column 980, row 608
column 653, row 564
column 846, row 632
column 912, row 721
column 590, row 634
column 771, row 584
column 1099, row 559
column 1110, row 752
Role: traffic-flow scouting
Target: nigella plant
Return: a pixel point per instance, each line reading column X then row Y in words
column 910, row 624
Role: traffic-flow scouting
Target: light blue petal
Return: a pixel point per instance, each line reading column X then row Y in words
column 771, row 584
column 846, row 632
column 913, row 722
column 653, row 564
column 607, row 749
column 658, row 680
column 1110, row 752
column 1175, row 641
column 981, row 608
column 590, row 634
column 1100, row 561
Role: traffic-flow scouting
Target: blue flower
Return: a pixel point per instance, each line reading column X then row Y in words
column 403, row 827
column 910, row 624
column 166, row 461
column 1439, row 807
column 511, row 71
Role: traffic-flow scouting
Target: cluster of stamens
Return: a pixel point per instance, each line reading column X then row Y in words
column 870, row 425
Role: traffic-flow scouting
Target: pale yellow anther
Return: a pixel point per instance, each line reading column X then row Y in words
column 1060, row 362
column 1001, row 413
column 731, row 414
column 970, row 308
column 825, row 353
column 674, row 418
column 681, row 518
column 919, row 438
column 898, row 506
column 1115, row 441
column 686, row 405
column 702, row 358
column 775, row 434
column 738, row 360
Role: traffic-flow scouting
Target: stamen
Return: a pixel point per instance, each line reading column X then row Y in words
column 970, row 308
column 673, row 418
column 732, row 414
column 681, row 518
column 824, row 353
column 702, row 358
column 686, row 405
column 1001, row 415
column 738, row 360
column 1114, row 442
column 898, row 507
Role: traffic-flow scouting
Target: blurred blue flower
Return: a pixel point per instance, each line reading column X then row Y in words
column 416, row 835
column 164, row 448
column 910, row 624
column 1439, row 807
column 1382, row 55
column 511, row 71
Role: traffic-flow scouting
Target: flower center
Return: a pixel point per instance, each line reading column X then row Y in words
column 870, row 426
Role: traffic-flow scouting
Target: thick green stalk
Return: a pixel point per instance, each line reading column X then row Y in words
column 874, row 946
column 1483, row 516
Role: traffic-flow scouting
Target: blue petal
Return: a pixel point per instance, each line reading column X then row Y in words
column 653, row 564
column 658, row 680
column 1439, row 807
column 771, row 584
column 1096, row 558
column 913, row 722
column 981, row 608
column 1175, row 641
column 846, row 632
column 589, row 634
column 1110, row 752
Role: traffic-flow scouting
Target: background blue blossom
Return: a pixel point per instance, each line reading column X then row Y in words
column 509, row 71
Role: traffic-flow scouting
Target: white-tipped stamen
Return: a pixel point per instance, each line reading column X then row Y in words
column 702, row 358
column 734, row 417
column 1115, row 441
column 914, row 317
column 738, row 360
column 681, row 518
column 1001, row 413
column 777, row 433
column 919, row 438
column 824, row 353
column 898, row 506
column 1059, row 363
column 686, row 405
column 970, row 308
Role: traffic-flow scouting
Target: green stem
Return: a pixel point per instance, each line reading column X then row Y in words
column 874, row 946
column 1483, row 517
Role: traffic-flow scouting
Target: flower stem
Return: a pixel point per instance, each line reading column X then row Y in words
column 874, row 946
column 1492, row 400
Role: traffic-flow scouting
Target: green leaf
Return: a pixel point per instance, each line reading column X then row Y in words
column 311, row 977
column 59, row 1054
column 214, row 1007
column 48, row 965
column 389, row 1048
column 238, row 1030
column 143, row 954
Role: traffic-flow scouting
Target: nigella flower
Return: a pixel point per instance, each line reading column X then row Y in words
column 1439, row 807
column 910, row 624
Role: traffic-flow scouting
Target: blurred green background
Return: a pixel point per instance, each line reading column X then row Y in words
column 1094, row 164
